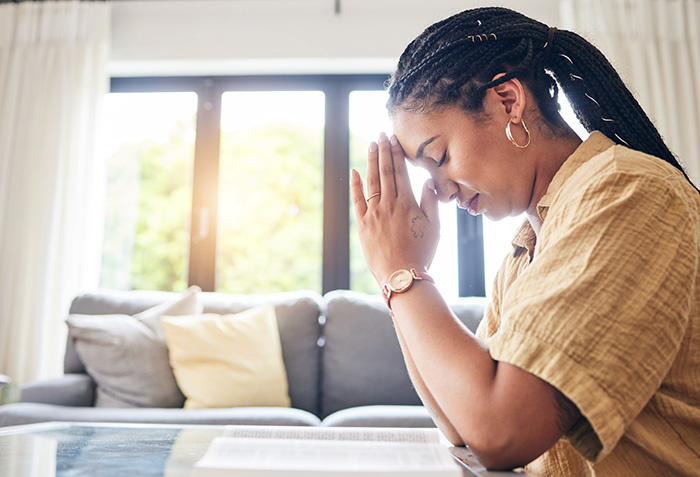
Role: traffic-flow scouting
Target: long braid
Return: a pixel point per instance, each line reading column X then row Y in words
column 454, row 62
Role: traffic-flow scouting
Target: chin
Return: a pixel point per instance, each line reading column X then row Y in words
column 494, row 216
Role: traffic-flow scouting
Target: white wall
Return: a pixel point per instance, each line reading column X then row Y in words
column 156, row 37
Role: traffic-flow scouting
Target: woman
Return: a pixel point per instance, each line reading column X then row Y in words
column 586, row 361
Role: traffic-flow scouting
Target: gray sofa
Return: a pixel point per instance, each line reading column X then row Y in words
column 343, row 362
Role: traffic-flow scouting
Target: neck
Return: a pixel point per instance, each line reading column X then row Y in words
column 548, row 155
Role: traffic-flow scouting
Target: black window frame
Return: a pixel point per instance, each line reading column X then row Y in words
column 336, row 203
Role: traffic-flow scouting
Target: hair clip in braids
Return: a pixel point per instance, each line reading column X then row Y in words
column 592, row 99
column 566, row 58
column 482, row 37
column 622, row 140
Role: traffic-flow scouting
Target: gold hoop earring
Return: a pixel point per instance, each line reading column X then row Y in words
column 509, row 135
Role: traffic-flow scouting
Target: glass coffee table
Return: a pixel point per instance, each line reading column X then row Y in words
column 64, row 449
column 67, row 449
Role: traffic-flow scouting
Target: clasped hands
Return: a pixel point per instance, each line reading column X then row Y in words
column 395, row 231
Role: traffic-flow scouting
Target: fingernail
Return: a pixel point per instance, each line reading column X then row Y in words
column 431, row 184
column 394, row 141
column 372, row 147
column 382, row 137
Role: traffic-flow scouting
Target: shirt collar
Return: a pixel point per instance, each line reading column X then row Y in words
column 596, row 143
column 525, row 238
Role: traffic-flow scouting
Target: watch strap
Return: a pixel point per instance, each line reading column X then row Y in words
column 388, row 291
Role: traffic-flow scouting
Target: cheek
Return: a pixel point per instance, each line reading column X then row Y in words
column 469, row 171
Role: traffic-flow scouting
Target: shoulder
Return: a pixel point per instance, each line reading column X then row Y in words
column 622, row 202
column 628, row 179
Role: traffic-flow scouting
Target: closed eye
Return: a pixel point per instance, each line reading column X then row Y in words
column 443, row 159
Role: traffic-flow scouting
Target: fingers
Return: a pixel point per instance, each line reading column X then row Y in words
column 401, row 179
column 358, row 196
column 386, row 167
column 373, row 183
column 429, row 203
column 387, row 174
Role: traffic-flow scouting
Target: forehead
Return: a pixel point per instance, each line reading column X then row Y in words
column 417, row 130
column 410, row 121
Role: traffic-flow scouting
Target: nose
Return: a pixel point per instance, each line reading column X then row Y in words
column 446, row 191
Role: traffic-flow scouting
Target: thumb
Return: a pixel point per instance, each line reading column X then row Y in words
column 429, row 202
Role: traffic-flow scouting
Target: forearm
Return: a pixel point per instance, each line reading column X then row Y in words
column 455, row 370
column 506, row 415
column 438, row 416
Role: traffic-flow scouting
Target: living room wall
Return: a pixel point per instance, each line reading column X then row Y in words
column 210, row 37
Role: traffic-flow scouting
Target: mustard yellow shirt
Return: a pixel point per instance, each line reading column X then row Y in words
column 604, row 304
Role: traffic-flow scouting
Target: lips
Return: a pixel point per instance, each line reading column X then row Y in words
column 471, row 205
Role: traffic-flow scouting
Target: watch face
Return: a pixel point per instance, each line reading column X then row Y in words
column 400, row 280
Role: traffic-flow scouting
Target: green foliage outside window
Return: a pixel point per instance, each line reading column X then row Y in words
column 270, row 209
column 270, row 212
column 149, row 196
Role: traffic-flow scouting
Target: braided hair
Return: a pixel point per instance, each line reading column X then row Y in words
column 454, row 61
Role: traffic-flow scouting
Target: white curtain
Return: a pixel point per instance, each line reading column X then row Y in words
column 655, row 46
column 53, row 76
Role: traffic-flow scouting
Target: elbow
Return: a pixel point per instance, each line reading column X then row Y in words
column 450, row 434
column 496, row 451
column 455, row 440
column 497, row 461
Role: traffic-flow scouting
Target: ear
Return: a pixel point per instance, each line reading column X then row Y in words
column 511, row 96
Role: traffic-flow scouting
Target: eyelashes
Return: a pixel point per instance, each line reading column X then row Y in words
column 443, row 159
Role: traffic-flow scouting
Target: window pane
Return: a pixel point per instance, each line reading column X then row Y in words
column 149, row 145
column 498, row 236
column 270, row 217
column 368, row 116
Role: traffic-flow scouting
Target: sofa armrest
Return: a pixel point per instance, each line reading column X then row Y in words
column 68, row 390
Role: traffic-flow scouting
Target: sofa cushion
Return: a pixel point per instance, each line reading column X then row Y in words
column 297, row 313
column 380, row 416
column 112, row 302
column 228, row 360
column 67, row 390
column 362, row 360
column 29, row 413
column 127, row 355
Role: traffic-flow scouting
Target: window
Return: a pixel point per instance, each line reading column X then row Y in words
column 240, row 185
column 270, row 191
column 149, row 190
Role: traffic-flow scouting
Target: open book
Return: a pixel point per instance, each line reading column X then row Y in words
column 291, row 451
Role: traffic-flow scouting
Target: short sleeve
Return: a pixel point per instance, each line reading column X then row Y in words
column 601, row 311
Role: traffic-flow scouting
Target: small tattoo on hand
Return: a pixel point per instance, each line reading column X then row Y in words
column 417, row 229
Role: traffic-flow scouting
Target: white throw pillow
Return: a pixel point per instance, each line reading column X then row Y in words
column 127, row 355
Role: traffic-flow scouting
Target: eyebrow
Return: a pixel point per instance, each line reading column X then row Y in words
column 421, row 148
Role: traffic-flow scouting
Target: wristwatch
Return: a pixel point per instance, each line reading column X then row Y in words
column 401, row 281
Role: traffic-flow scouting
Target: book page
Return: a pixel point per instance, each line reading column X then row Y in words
column 383, row 434
column 327, row 457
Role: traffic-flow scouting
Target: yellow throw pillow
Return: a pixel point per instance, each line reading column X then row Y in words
column 228, row 360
